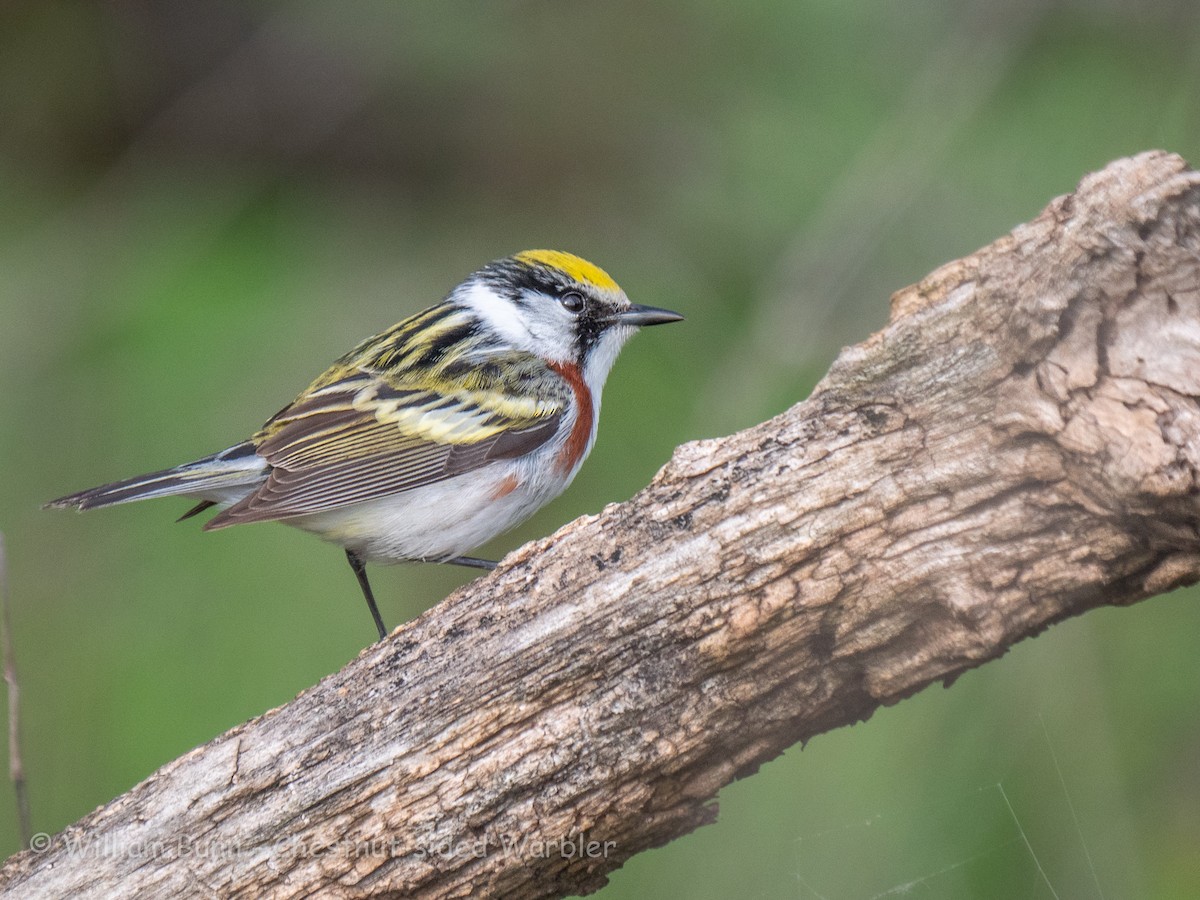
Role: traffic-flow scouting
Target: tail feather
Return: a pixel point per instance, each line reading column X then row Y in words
column 197, row 509
column 219, row 478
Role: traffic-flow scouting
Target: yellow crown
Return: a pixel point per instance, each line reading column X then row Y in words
column 570, row 265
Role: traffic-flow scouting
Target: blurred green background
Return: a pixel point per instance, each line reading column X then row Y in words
column 202, row 204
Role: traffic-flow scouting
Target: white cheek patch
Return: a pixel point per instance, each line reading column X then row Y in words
column 539, row 326
column 553, row 332
column 496, row 311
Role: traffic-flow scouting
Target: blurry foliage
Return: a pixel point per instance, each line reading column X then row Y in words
column 205, row 203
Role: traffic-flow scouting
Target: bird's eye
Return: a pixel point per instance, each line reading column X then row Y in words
column 572, row 301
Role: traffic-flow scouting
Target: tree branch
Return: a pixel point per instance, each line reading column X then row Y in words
column 1020, row 444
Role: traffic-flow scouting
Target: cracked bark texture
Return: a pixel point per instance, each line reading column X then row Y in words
column 1020, row 444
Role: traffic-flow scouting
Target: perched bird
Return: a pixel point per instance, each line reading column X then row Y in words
column 429, row 439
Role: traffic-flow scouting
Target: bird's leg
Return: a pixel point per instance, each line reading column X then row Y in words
column 471, row 562
column 360, row 571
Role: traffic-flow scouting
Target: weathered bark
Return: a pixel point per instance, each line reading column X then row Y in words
column 1020, row 444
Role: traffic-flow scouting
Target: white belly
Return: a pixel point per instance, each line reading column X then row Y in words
column 441, row 520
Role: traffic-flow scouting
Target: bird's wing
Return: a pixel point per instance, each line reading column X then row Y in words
column 362, row 431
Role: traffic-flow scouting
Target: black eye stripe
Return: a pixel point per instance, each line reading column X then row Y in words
column 528, row 286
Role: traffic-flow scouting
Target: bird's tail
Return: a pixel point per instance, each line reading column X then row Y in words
column 221, row 478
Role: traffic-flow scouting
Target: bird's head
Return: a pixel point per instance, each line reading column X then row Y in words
column 558, row 306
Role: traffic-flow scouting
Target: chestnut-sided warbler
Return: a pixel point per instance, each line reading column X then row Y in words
column 427, row 440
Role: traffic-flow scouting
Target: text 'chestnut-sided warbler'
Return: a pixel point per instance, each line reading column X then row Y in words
column 431, row 438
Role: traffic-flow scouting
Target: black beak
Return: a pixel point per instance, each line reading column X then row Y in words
column 639, row 316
